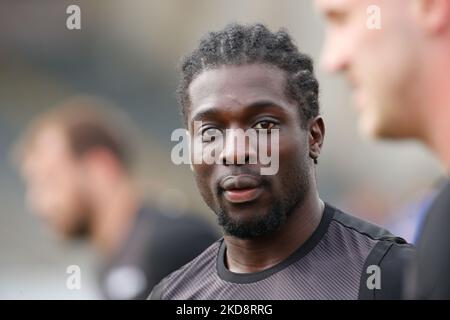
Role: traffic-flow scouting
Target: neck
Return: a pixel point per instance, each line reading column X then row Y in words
column 438, row 141
column 437, row 134
column 114, row 211
column 253, row 255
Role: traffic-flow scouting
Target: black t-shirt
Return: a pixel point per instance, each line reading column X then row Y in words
column 430, row 278
column 338, row 261
column 158, row 244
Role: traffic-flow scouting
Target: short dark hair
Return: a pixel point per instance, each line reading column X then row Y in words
column 240, row 44
column 88, row 123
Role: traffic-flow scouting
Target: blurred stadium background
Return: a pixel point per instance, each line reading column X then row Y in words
column 127, row 51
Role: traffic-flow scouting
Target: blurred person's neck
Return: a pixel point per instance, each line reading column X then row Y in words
column 114, row 211
column 437, row 108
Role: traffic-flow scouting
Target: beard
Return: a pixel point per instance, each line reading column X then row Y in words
column 281, row 208
column 254, row 227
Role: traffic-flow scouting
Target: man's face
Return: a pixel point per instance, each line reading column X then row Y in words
column 380, row 64
column 53, row 181
column 247, row 203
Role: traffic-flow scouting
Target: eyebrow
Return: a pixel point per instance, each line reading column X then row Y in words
column 208, row 113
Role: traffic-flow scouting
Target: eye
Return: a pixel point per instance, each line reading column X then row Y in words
column 210, row 134
column 264, row 125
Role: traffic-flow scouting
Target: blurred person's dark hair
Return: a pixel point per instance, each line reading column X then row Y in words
column 88, row 123
column 239, row 44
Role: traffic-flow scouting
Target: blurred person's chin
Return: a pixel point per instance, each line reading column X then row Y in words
column 383, row 90
column 376, row 125
column 71, row 231
column 371, row 124
column 380, row 115
column 65, row 225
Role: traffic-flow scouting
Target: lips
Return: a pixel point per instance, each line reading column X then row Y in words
column 241, row 188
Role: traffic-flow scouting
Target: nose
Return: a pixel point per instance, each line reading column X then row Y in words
column 239, row 148
column 335, row 54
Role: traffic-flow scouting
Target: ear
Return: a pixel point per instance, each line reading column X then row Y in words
column 433, row 15
column 316, row 136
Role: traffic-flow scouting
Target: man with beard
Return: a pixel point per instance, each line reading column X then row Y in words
column 281, row 241
column 400, row 76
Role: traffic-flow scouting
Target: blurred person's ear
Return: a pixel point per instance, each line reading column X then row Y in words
column 433, row 15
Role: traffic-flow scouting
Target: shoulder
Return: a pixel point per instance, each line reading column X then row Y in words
column 438, row 215
column 166, row 229
column 389, row 256
column 197, row 267
column 363, row 227
column 161, row 243
column 432, row 279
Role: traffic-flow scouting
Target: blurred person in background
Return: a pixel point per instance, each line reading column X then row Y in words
column 77, row 161
column 400, row 75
